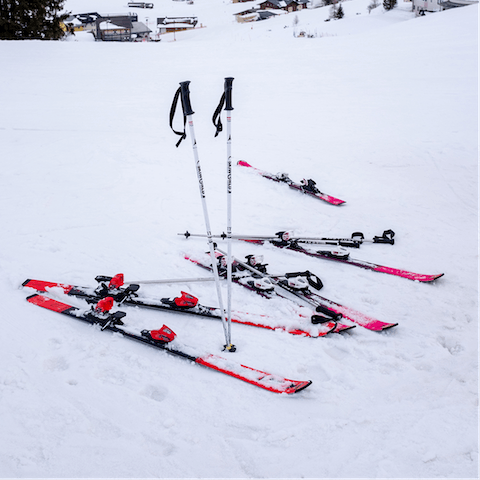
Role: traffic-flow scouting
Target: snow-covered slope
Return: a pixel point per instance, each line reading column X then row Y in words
column 380, row 109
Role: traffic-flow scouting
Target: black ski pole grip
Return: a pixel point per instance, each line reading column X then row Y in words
column 228, row 93
column 185, row 92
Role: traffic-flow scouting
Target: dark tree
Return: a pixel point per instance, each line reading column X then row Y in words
column 336, row 11
column 339, row 13
column 31, row 19
column 389, row 4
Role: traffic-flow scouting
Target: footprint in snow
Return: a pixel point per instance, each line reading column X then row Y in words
column 155, row 393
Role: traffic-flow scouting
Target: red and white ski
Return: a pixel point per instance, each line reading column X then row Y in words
column 163, row 339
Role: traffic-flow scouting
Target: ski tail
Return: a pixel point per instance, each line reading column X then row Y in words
column 51, row 304
column 42, row 286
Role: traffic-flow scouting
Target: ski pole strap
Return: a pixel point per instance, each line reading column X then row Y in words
column 216, row 116
column 173, row 109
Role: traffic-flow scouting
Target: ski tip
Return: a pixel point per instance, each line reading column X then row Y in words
column 298, row 387
column 416, row 277
column 26, row 282
column 388, row 326
column 428, row 278
column 341, row 327
column 243, row 163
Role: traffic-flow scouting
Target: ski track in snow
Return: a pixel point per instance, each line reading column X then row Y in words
column 380, row 110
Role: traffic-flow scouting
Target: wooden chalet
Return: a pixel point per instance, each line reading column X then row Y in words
column 175, row 24
column 114, row 28
column 140, row 5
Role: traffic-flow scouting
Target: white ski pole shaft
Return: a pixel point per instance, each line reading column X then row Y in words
column 188, row 112
column 229, row 108
column 252, row 269
column 169, row 280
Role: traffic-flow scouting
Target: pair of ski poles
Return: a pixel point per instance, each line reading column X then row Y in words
column 183, row 93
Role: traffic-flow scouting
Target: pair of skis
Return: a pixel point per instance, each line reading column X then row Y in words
column 100, row 315
column 332, row 249
column 276, row 286
column 185, row 303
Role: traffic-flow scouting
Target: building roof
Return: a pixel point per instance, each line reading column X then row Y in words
column 277, row 3
column 456, row 3
column 139, row 27
column 244, row 12
column 264, row 14
column 121, row 21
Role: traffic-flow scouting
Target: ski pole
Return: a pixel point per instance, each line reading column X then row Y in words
column 188, row 112
column 229, row 108
column 355, row 241
column 170, row 280
column 226, row 100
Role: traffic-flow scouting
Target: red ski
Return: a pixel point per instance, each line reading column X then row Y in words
column 164, row 337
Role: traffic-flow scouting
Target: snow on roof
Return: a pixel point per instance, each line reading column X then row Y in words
column 109, row 26
column 171, row 26
column 73, row 21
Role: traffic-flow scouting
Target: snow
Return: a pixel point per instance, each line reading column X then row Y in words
column 380, row 109
column 109, row 26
